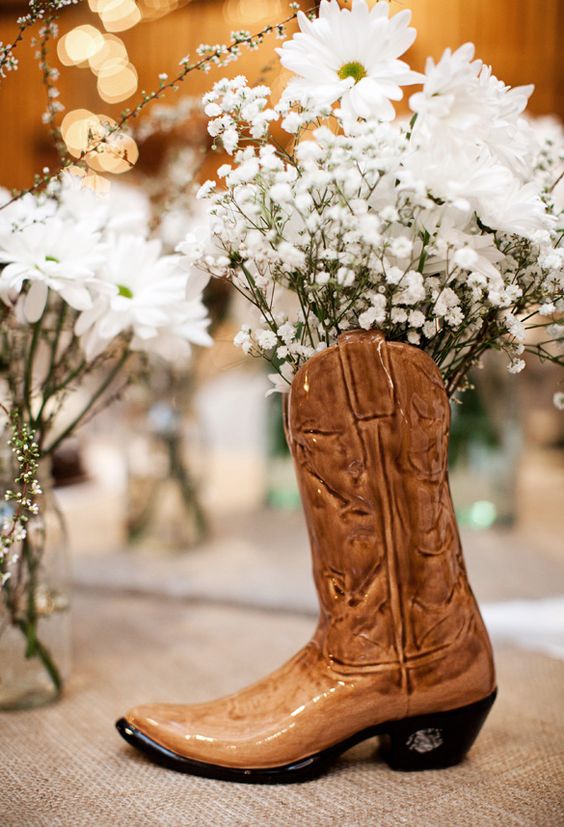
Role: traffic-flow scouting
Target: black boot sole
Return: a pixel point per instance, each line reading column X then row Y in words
column 425, row 742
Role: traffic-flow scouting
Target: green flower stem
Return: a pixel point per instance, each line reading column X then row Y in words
column 28, row 375
column 188, row 488
column 94, row 398
column 42, row 652
column 28, row 624
column 31, row 608
column 48, row 388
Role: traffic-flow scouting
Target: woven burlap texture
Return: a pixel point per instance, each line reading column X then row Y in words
column 65, row 766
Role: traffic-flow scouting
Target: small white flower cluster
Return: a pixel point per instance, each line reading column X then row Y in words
column 222, row 54
column 38, row 10
column 93, row 252
column 8, row 61
column 232, row 105
column 439, row 232
column 21, row 502
column 49, row 31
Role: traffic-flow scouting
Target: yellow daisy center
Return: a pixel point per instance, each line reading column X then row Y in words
column 124, row 291
column 354, row 70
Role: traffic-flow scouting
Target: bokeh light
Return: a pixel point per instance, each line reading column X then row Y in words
column 82, row 129
column 91, row 180
column 79, row 45
column 118, row 15
column 482, row 514
column 113, row 49
column 97, row 183
column 245, row 12
column 75, row 130
column 152, row 9
column 117, row 156
column 116, row 82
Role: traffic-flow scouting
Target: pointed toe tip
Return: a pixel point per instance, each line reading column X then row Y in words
column 126, row 730
column 121, row 725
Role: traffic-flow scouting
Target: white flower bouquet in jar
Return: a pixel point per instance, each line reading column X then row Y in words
column 86, row 298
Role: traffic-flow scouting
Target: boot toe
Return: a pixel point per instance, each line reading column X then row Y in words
column 162, row 723
column 143, row 716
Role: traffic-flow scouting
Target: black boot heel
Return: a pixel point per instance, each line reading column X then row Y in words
column 431, row 742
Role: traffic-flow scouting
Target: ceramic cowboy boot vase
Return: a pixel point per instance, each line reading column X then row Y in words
column 400, row 650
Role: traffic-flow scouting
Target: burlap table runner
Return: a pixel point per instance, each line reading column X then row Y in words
column 64, row 766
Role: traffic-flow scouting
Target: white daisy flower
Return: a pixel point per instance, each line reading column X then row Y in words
column 123, row 209
column 447, row 100
column 51, row 253
column 154, row 298
column 464, row 106
column 281, row 381
column 25, row 210
column 351, row 55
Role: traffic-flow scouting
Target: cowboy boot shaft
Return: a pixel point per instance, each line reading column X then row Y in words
column 368, row 425
column 345, row 512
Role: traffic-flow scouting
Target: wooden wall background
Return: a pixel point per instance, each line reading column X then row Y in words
column 519, row 37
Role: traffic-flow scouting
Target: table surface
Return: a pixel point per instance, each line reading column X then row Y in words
column 65, row 766
column 192, row 627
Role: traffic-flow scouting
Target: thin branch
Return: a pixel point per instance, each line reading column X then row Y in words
column 220, row 55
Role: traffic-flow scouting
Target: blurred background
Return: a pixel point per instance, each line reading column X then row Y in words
column 520, row 38
column 187, row 483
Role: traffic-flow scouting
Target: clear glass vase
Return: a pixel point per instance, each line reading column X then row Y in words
column 282, row 490
column 485, row 448
column 164, row 511
column 35, row 646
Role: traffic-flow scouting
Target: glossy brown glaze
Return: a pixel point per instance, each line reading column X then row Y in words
column 399, row 632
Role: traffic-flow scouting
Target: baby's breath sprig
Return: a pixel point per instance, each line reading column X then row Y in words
column 24, row 495
column 8, row 63
column 38, row 10
column 49, row 76
column 208, row 56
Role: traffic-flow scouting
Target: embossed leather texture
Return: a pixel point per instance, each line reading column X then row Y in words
column 399, row 631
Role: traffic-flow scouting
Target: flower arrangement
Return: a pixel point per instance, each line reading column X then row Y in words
column 442, row 231
column 87, row 299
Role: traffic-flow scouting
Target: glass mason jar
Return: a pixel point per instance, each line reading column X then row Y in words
column 281, row 484
column 34, row 601
column 485, row 448
column 164, row 511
